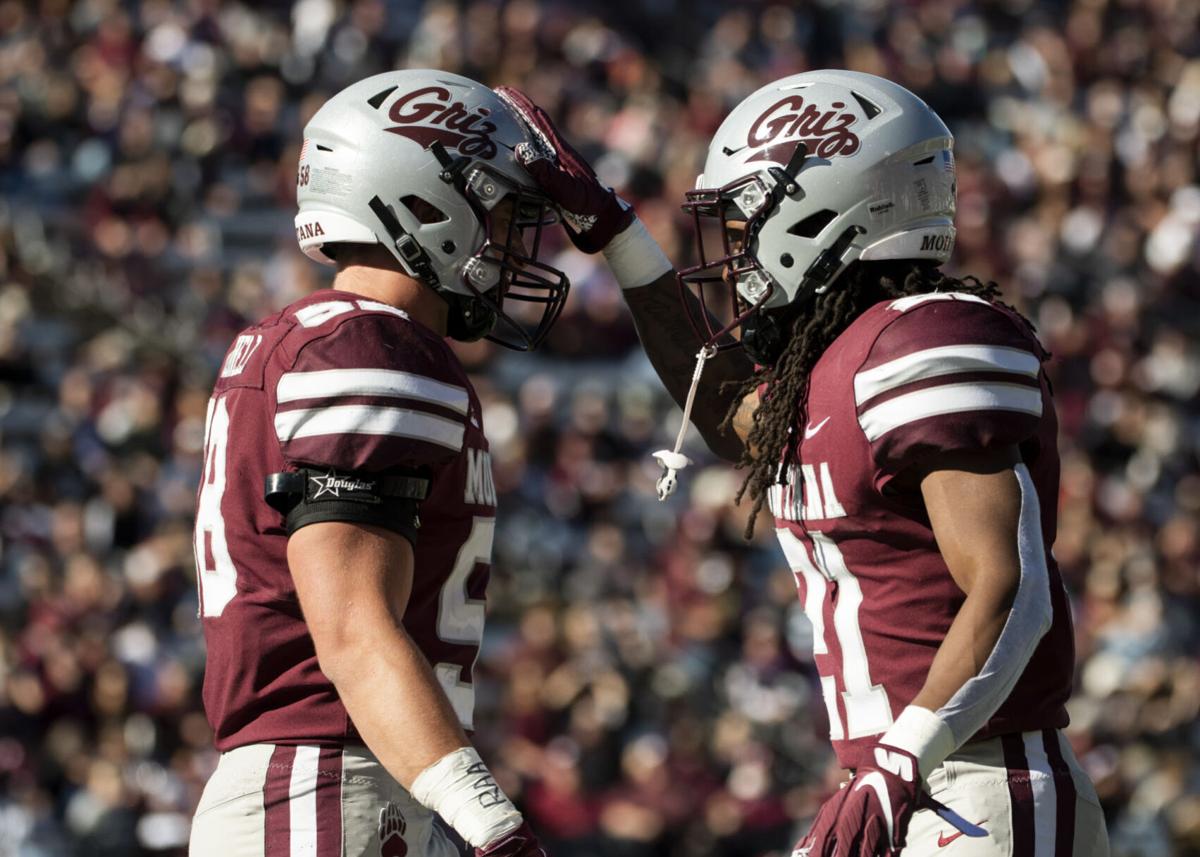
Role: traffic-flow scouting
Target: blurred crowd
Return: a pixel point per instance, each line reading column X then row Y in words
column 646, row 685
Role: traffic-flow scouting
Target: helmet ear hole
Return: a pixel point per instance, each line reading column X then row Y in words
column 813, row 225
column 426, row 212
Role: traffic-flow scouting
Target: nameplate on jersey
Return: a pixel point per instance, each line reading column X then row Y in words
column 806, row 495
column 239, row 355
column 480, row 488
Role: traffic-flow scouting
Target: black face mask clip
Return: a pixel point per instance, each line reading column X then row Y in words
column 765, row 333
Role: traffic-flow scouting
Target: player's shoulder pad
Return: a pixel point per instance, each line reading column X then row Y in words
column 311, row 321
column 361, row 332
column 944, row 371
column 948, row 319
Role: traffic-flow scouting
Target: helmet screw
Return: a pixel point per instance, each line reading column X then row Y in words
column 448, row 247
column 786, row 260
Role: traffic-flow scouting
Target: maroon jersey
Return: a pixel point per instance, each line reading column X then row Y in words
column 908, row 380
column 340, row 382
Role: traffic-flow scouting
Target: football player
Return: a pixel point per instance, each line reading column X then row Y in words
column 899, row 424
column 346, row 508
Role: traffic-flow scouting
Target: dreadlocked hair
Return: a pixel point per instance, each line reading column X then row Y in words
column 769, row 451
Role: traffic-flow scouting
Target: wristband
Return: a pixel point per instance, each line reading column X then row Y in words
column 923, row 734
column 635, row 257
column 461, row 789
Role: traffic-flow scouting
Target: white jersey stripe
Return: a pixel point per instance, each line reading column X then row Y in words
column 948, row 399
column 905, row 304
column 376, row 306
column 1045, row 805
column 302, row 800
column 315, row 315
column 328, row 383
column 946, row 360
column 368, row 419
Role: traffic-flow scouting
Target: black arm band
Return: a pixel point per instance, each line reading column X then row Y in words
column 308, row 496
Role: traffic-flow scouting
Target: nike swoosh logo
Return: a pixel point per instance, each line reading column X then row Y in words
column 876, row 781
column 944, row 840
column 811, row 430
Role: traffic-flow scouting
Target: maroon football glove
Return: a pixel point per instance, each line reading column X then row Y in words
column 592, row 212
column 522, row 842
column 822, row 827
column 873, row 810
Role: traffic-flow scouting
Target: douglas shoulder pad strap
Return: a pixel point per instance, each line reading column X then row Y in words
column 310, row 495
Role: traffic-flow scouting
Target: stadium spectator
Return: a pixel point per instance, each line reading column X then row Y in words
column 147, row 158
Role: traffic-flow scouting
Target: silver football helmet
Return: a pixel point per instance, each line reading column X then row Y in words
column 809, row 174
column 422, row 162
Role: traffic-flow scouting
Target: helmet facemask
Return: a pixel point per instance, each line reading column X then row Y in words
column 731, row 217
column 501, row 270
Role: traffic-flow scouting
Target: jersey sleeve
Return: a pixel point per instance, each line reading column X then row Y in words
column 948, row 375
column 372, row 395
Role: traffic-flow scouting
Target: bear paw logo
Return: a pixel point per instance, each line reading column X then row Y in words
column 391, row 832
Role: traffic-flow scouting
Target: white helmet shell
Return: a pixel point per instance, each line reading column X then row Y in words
column 877, row 182
column 375, row 139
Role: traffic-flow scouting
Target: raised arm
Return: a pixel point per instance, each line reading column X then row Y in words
column 598, row 221
column 671, row 345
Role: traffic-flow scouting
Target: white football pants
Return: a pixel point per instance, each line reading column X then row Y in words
column 1027, row 790
column 271, row 800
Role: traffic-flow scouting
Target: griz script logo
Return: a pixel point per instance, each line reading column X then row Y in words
column 428, row 115
column 790, row 121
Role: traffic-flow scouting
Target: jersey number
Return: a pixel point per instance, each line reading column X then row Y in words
column 867, row 709
column 460, row 617
column 216, row 574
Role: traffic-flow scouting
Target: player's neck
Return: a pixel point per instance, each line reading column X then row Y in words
column 395, row 289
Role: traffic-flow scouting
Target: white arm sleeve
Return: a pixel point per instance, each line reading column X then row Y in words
column 977, row 700
column 1028, row 621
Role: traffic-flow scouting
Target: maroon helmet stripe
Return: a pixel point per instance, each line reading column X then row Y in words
column 329, row 802
column 1020, row 793
column 277, row 803
column 1064, row 793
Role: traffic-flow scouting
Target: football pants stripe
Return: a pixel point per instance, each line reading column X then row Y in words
column 1020, row 795
column 277, row 803
column 302, row 795
column 948, row 399
column 329, row 802
column 945, row 360
column 1045, row 797
column 1064, row 793
column 368, row 419
column 330, row 383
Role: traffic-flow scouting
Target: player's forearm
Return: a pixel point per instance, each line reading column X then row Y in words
column 395, row 701
column 968, row 644
column 671, row 345
column 986, row 518
column 403, row 715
